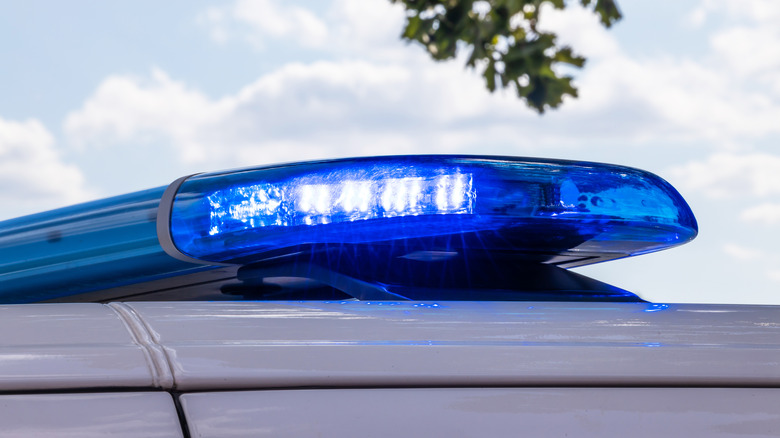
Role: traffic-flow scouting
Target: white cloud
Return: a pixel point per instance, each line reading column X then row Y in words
column 680, row 99
column 749, row 51
column 342, row 106
column 727, row 175
column 217, row 21
column 743, row 253
column 298, row 111
column 767, row 213
column 263, row 21
column 765, row 261
column 364, row 29
column 369, row 29
column 337, row 108
column 32, row 174
column 644, row 99
column 761, row 11
column 715, row 98
column 125, row 108
column 774, row 275
column 579, row 28
column 728, row 97
column 746, row 43
column 697, row 17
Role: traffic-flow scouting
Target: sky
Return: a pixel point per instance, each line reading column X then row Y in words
column 103, row 98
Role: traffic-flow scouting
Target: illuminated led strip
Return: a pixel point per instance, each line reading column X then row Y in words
column 313, row 203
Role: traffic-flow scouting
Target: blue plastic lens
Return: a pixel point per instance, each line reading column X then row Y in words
column 94, row 246
column 428, row 203
column 312, row 201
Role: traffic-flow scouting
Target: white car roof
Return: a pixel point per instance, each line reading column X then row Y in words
column 192, row 346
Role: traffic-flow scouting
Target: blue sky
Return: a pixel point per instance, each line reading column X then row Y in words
column 103, row 98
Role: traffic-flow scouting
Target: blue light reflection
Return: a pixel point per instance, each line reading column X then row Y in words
column 656, row 307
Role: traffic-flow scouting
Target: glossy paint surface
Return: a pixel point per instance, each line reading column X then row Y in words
column 89, row 415
column 488, row 412
column 196, row 346
column 293, row 344
column 66, row 346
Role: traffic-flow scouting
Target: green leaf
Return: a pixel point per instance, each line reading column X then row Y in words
column 565, row 56
column 411, row 29
column 490, row 76
column 607, row 10
column 505, row 52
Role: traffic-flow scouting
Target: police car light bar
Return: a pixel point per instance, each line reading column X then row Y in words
column 506, row 204
column 423, row 207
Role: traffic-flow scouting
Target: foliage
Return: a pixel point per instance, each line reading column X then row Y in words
column 505, row 42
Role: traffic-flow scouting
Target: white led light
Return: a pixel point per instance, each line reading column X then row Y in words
column 415, row 190
column 322, row 198
column 441, row 193
column 400, row 196
column 348, row 197
column 387, row 196
column 364, row 196
column 457, row 192
column 316, row 202
column 305, row 198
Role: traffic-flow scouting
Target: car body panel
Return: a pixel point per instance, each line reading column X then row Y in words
column 231, row 345
column 69, row 346
column 145, row 414
column 490, row 412
column 197, row 346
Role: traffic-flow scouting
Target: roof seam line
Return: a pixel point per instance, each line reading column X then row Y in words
column 157, row 359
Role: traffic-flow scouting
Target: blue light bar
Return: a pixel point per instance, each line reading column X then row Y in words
column 369, row 213
column 88, row 247
column 552, row 208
